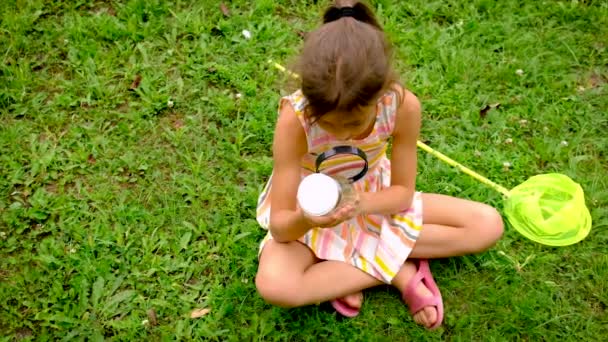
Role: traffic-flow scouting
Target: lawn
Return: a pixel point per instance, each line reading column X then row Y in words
column 135, row 137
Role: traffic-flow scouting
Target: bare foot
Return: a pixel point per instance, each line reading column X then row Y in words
column 428, row 315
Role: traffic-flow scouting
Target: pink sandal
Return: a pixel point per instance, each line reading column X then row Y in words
column 417, row 303
column 344, row 309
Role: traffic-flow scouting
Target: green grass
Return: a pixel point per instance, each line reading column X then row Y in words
column 114, row 203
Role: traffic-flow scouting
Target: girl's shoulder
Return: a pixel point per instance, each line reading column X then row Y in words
column 297, row 100
column 289, row 135
column 401, row 96
column 396, row 103
column 295, row 104
column 407, row 111
column 407, row 101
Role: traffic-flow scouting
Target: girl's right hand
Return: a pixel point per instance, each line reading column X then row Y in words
column 328, row 221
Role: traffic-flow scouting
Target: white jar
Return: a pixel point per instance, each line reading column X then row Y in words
column 320, row 195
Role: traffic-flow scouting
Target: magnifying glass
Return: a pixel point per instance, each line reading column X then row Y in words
column 343, row 161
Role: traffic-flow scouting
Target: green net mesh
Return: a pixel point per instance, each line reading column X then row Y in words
column 549, row 209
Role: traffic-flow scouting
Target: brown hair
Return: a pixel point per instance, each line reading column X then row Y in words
column 345, row 63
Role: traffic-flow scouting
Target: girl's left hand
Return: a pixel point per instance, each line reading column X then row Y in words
column 329, row 221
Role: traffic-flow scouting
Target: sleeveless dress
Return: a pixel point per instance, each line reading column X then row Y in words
column 376, row 244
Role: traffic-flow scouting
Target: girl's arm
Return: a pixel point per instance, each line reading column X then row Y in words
column 289, row 146
column 287, row 221
column 399, row 195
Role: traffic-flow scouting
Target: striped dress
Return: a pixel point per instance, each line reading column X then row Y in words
column 376, row 244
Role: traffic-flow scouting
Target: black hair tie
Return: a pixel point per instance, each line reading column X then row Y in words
column 347, row 12
column 336, row 13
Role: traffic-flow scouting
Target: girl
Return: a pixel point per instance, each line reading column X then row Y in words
column 349, row 96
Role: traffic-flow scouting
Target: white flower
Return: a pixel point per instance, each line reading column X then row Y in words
column 564, row 143
column 519, row 72
column 2, row 235
column 170, row 104
column 246, row 34
column 509, row 141
column 506, row 165
column 238, row 95
column 523, row 122
column 73, row 250
column 477, row 153
column 145, row 322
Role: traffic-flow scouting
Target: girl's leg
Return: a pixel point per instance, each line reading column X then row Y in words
column 454, row 227
column 428, row 315
column 289, row 275
column 451, row 227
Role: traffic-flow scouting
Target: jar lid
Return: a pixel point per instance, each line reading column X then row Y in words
column 318, row 194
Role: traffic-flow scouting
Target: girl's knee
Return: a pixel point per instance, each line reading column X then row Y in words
column 490, row 226
column 486, row 226
column 277, row 290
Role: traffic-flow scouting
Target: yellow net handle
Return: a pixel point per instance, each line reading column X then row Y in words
column 283, row 69
column 463, row 168
column 428, row 149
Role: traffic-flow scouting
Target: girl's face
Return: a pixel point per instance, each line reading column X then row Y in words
column 356, row 124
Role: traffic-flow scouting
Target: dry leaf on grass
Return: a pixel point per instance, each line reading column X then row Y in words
column 136, row 82
column 484, row 111
column 152, row 317
column 224, row 9
column 198, row 313
column 302, row 34
column 177, row 124
column 595, row 80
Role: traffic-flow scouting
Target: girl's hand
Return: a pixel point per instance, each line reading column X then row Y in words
column 328, row 221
